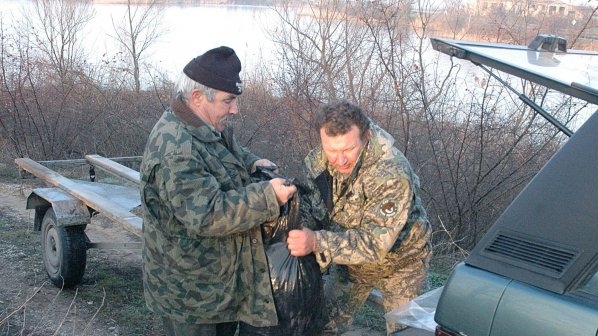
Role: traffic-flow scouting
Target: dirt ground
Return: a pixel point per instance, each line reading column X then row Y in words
column 31, row 305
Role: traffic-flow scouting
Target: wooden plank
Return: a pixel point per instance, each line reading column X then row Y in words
column 106, row 206
column 113, row 167
column 83, row 162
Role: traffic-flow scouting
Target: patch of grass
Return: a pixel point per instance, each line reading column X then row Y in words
column 124, row 302
column 19, row 244
column 8, row 170
column 371, row 316
column 436, row 280
column 15, row 231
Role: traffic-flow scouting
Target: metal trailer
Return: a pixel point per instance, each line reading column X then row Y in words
column 65, row 208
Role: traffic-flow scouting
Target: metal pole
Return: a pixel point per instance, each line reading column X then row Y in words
column 531, row 104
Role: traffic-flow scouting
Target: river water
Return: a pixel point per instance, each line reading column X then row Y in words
column 187, row 32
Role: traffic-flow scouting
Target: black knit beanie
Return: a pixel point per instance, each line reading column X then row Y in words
column 218, row 69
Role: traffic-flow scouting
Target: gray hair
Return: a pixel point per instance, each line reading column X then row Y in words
column 186, row 85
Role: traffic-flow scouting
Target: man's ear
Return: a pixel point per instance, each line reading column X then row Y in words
column 197, row 96
column 368, row 134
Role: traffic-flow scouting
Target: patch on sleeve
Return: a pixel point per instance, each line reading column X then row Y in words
column 388, row 208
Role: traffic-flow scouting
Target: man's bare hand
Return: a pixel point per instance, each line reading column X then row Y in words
column 301, row 242
column 284, row 191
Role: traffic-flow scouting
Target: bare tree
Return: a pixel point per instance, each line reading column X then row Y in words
column 55, row 104
column 588, row 25
column 136, row 32
column 54, row 28
column 456, row 18
column 43, row 76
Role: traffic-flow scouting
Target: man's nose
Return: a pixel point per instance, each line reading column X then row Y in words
column 234, row 108
column 339, row 158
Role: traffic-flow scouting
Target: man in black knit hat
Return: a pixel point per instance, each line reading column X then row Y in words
column 204, row 264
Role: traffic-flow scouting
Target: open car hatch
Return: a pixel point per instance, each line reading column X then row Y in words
column 547, row 235
column 573, row 72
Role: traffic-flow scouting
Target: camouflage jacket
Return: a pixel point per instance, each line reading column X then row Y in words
column 203, row 257
column 378, row 225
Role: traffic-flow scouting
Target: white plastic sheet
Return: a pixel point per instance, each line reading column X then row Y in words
column 419, row 312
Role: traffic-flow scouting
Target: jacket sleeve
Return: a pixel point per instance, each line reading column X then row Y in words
column 378, row 223
column 248, row 157
column 197, row 201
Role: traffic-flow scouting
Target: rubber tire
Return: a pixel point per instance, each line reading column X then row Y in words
column 64, row 251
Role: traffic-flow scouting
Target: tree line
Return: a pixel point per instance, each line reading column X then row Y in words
column 473, row 143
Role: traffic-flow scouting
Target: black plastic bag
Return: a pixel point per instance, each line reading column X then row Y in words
column 296, row 281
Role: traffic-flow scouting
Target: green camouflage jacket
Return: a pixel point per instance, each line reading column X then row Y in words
column 203, row 256
column 379, row 224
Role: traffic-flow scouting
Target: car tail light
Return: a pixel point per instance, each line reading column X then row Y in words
column 443, row 332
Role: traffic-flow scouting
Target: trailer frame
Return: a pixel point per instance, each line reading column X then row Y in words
column 65, row 208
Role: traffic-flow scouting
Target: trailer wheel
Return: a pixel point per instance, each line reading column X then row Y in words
column 64, row 250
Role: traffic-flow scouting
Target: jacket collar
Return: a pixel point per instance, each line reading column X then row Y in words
column 197, row 126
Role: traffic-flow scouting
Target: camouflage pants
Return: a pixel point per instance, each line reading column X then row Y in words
column 344, row 297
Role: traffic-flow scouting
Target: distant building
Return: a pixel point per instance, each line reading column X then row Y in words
column 531, row 8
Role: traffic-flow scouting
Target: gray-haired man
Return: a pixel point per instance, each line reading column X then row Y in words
column 204, row 264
